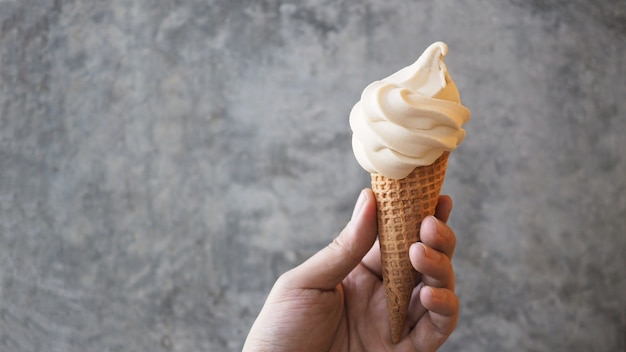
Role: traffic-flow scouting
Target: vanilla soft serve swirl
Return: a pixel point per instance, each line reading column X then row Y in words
column 408, row 119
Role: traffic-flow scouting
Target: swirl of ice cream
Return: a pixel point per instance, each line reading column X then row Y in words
column 410, row 118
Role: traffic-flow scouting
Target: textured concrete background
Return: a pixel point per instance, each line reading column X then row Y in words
column 162, row 162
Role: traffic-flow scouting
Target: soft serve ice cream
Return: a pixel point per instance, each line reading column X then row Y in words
column 410, row 118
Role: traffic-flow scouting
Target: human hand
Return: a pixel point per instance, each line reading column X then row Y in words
column 335, row 301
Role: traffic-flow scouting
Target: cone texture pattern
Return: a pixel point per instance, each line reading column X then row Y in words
column 402, row 205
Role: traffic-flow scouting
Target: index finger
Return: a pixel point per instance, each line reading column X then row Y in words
column 444, row 207
column 438, row 235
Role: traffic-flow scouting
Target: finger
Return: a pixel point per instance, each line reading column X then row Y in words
column 372, row 261
column 436, row 268
column 416, row 309
column 325, row 269
column 444, row 208
column 439, row 322
column 438, row 235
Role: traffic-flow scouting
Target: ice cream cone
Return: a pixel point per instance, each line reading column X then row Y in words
column 402, row 205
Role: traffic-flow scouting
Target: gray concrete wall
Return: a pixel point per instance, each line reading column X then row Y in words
column 162, row 162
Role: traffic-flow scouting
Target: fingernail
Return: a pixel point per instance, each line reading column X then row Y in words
column 359, row 204
column 437, row 225
column 429, row 252
column 429, row 226
column 438, row 294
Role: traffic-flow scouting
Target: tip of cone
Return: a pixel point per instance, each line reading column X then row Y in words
column 396, row 331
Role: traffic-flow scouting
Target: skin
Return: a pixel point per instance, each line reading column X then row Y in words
column 335, row 301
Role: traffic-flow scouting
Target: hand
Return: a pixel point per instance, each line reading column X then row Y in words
column 335, row 301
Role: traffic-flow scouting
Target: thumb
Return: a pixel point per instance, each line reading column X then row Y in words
column 328, row 267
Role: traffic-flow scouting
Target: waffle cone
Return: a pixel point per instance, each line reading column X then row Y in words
column 402, row 205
